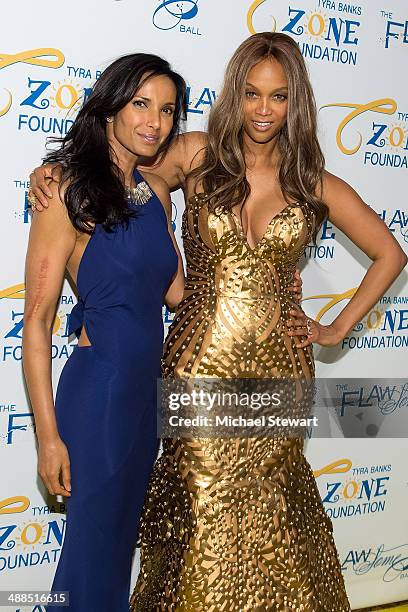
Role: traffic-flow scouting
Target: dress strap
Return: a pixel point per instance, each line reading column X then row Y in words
column 137, row 176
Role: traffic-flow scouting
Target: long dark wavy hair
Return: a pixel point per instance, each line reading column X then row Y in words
column 222, row 173
column 95, row 192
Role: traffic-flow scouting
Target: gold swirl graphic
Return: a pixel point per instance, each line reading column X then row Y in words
column 334, row 298
column 255, row 4
column 6, row 109
column 47, row 57
column 341, row 466
column 13, row 505
column 387, row 106
column 15, row 292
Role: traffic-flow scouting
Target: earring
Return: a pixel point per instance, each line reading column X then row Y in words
column 109, row 119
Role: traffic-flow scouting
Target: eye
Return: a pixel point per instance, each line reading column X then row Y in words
column 250, row 94
column 168, row 110
column 139, row 103
column 280, row 97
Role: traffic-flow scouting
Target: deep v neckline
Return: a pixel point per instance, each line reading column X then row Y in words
column 275, row 216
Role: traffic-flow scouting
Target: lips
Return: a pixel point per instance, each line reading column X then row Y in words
column 151, row 139
column 262, row 126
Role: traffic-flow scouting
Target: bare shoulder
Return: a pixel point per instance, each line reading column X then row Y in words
column 347, row 209
column 185, row 146
column 179, row 160
column 334, row 187
column 57, row 193
column 161, row 188
column 195, row 140
column 195, row 144
column 52, row 228
column 56, row 212
column 186, row 152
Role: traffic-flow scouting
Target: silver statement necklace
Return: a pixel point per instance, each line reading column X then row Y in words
column 138, row 195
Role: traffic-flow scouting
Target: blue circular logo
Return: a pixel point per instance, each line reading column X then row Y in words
column 170, row 13
column 173, row 216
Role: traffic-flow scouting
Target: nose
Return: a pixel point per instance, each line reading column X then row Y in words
column 263, row 107
column 153, row 119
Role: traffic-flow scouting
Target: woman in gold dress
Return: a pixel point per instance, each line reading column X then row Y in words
column 234, row 525
column 237, row 525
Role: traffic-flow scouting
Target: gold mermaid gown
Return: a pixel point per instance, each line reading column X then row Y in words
column 237, row 525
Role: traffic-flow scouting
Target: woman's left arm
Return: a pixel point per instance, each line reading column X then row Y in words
column 362, row 225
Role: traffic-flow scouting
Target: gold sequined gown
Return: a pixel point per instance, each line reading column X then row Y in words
column 237, row 525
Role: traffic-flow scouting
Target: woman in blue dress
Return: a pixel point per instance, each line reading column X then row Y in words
column 109, row 227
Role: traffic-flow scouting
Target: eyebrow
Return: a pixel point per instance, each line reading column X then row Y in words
column 248, row 84
column 149, row 100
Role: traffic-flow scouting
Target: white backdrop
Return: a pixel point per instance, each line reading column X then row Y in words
column 357, row 55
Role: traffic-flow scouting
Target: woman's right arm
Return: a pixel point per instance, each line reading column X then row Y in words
column 51, row 244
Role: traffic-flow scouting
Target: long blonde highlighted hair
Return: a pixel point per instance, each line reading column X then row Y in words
column 222, row 173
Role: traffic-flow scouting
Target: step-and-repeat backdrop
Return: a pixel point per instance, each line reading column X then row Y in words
column 50, row 55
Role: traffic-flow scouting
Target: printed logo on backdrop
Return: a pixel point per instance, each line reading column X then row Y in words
column 395, row 32
column 23, row 214
column 45, row 57
column 388, row 562
column 11, row 317
column 366, row 407
column 325, row 247
column 326, row 30
column 17, row 425
column 167, row 315
column 375, row 131
column 349, row 491
column 35, row 540
column 177, row 15
column 174, row 215
column 200, row 99
column 396, row 220
column 384, row 327
column 42, row 102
